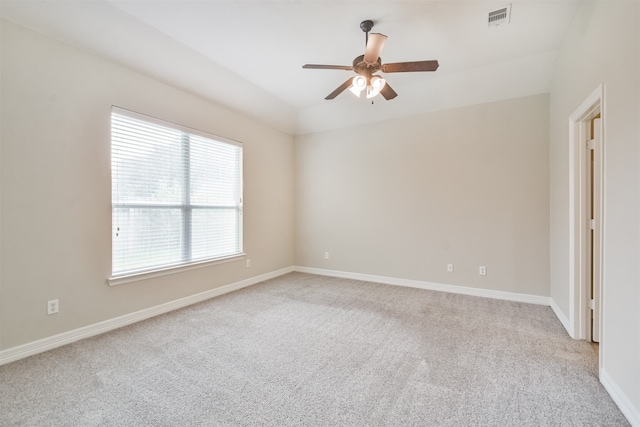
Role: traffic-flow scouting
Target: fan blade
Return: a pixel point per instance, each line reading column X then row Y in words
column 387, row 92
column 327, row 67
column 374, row 47
column 405, row 67
column 340, row 89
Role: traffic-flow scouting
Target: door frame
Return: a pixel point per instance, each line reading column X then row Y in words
column 579, row 290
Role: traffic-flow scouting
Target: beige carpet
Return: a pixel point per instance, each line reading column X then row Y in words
column 307, row 350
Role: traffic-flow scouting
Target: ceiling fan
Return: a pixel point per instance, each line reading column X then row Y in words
column 366, row 65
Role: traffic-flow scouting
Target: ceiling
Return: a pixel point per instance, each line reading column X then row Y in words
column 247, row 55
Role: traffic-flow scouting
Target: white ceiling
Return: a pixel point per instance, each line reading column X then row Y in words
column 248, row 55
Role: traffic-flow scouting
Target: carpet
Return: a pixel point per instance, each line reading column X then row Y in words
column 306, row 350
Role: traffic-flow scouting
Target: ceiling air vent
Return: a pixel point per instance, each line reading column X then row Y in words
column 499, row 16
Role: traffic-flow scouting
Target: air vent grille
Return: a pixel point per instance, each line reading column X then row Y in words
column 499, row 16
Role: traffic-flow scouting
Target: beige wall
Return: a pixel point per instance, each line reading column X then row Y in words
column 56, row 188
column 403, row 198
column 603, row 46
column 471, row 186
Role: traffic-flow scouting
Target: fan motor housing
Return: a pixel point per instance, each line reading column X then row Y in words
column 360, row 66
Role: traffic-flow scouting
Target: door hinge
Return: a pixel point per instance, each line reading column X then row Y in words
column 592, row 304
column 592, row 224
column 591, row 144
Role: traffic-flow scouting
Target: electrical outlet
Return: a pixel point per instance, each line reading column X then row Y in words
column 248, row 263
column 52, row 306
column 326, row 255
column 450, row 268
column 483, row 270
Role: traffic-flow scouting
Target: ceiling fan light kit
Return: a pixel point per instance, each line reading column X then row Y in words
column 372, row 87
column 366, row 65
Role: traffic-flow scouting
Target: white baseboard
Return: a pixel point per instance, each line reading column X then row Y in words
column 626, row 406
column 454, row 289
column 631, row 412
column 561, row 317
column 49, row 343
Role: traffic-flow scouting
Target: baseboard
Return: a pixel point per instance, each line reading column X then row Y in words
column 49, row 343
column 15, row 353
column 454, row 289
column 626, row 406
column 561, row 317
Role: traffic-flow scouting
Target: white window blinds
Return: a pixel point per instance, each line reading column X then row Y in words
column 176, row 195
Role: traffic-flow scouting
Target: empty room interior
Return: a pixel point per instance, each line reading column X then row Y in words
column 431, row 213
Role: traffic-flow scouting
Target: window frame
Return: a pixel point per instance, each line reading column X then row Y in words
column 186, row 208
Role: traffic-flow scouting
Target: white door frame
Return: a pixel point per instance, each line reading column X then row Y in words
column 579, row 293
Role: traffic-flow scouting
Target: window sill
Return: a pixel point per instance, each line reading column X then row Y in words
column 121, row 280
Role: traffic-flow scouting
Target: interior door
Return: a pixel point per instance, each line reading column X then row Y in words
column 595, row 151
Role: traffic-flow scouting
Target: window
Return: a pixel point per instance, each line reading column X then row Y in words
column 176, row 195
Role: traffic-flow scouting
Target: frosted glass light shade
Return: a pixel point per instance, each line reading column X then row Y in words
column 358, row 84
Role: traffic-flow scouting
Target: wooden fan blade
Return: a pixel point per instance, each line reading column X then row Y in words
column 387, row 92
column 406, row 67
column 374, row 47
column 327, row 67
column 340, row 89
